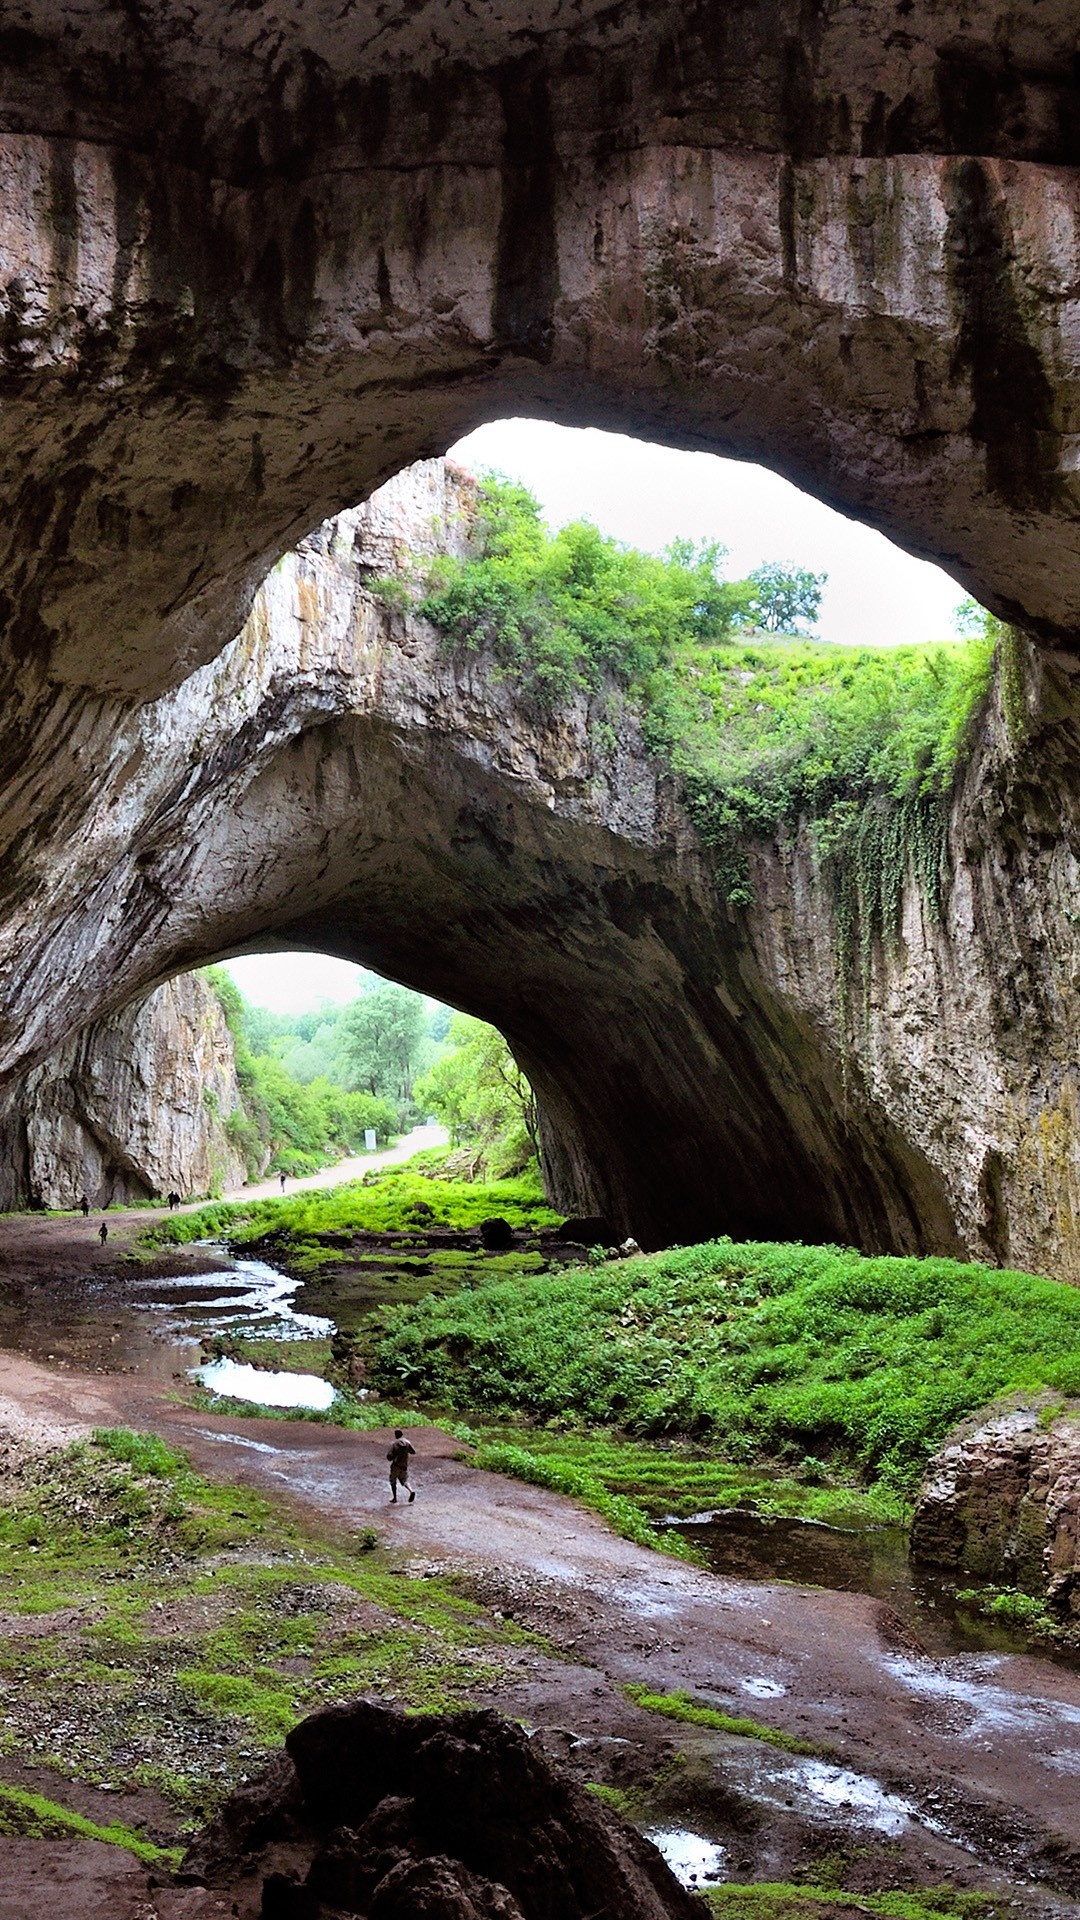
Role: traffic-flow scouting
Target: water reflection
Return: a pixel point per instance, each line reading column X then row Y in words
column 265, row 1386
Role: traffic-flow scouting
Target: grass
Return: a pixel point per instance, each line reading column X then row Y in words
column 695, row 1713
column 396, row 1201
column 33, row 1816
column 757, row 1351
column 180, row 1627
column 777, row 1900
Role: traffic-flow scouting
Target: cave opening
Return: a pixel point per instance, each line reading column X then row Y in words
column 361, row 783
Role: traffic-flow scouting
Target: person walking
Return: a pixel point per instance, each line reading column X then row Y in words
column 282, row 1179
column 398, row 1455
column 85, row 1205
column 103, row 1233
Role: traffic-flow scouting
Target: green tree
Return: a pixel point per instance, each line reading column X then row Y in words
column 479, row 1092
column 380, row 1041
column 782, row 598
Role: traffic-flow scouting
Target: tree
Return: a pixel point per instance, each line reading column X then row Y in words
column 784, row 596
column 480, row 1093
column 380, row 1041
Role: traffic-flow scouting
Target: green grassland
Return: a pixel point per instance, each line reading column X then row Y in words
column 755, row 1352
column 322, row 1222
column 163, row 1632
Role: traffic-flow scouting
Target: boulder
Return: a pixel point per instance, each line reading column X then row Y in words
column 590, row 1230
column 1000, row 1502
column 444, row 1817
column 496, row 1234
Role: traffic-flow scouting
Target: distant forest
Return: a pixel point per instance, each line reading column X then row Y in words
column 313, row 1083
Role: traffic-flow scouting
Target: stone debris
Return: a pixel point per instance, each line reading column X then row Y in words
column 1001, row 1501
column 452, row 1817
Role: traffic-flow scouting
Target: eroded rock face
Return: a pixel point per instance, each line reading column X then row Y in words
column 1001, row 1502
column 450, row 1817
column 336, row 779
column 255, row 260
column 135, row 1105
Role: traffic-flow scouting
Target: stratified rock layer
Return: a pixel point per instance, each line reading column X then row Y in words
column 452, row 1817
column 135, row 1105
column 1001, row 1503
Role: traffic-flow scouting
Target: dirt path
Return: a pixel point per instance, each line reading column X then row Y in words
column 970, row 1765
column 970, row 1756
column 415, row 1142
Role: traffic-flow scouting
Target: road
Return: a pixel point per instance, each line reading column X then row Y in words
column 342, row 1170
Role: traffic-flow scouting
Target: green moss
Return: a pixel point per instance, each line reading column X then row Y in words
column 386, row 1203
column 193, row 1624
column 762, row 1900
column 564, row 1476
column 695, row 1713
column 32, row 1816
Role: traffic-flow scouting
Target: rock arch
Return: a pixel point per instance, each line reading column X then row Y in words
column 333, row 779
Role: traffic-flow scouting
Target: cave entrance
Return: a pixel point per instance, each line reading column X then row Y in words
column 354, row 783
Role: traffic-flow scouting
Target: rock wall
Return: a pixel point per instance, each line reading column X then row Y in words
column 135, row 1105
column 1000, row 1502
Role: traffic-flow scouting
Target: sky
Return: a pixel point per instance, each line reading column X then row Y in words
column 647, row 496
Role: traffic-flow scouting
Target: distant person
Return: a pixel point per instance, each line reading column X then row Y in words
column 85, row 1205
column 398, row 1456
column 103, row 1233
column 282, row 1179
column 174, row 1202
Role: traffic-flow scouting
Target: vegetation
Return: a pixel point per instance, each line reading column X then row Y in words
column 392, row 1201
column 696, row 1713
column 183, row 1627
column 34, row 1816
column 759, row 1350
column 762, row 732
column 775, row 1900
column 286, row 1125
column 480, row 1094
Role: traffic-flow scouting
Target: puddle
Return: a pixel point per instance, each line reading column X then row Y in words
column 761, row 1689
column 690, row 1857
column 846, row 1560
column 237, row 1381
column 866, row 1800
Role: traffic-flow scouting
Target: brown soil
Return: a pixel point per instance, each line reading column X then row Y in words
column 983, row 1749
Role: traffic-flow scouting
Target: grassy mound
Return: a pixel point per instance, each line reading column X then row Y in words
column 760, row 1349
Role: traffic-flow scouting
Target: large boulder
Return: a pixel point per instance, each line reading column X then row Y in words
column 1001, row 1501
column 458, row 1816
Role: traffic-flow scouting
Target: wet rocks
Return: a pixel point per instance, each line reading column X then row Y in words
column 449, row 1817
column 1001, row 1502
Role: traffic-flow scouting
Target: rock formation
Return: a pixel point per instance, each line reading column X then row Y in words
column 1000, row 1502
column 336, row 779
column 449, row 1817
column 135, row 1105
column 256, row 260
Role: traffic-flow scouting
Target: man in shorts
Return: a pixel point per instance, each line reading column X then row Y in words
column 398, row 1456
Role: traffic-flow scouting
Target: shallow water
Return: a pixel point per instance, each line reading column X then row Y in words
column 848, row 1560
column 692, row 1858
column 265, row 1386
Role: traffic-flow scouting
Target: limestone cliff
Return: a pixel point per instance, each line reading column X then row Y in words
column 134, row 1105
column 337, row 779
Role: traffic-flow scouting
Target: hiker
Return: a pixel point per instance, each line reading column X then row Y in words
column 174, row 1202
column 85, row 1205
column 282, row 1178
column 398, row 1456
column 103, row 1233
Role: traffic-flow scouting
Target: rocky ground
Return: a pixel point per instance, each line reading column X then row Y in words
column 803, row 1732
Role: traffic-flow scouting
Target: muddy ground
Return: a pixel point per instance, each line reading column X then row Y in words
column 963, row 1769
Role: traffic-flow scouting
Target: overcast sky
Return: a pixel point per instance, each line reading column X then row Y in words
column 647, row 496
